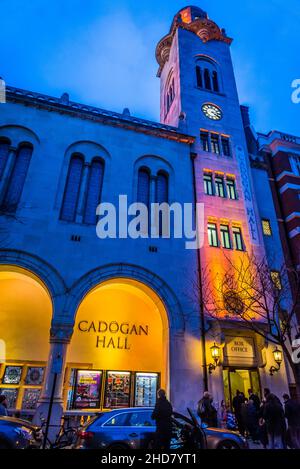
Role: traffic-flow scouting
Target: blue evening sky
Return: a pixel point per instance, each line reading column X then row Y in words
column 102, row 52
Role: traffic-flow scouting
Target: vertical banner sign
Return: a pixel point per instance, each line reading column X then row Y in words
column 245, row 177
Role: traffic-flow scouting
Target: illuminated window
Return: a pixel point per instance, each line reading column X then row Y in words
column 219, row 184
column 212, row 235
column 266, row 226
column 225, row 236
column 215, row 145
column 225, row 146
column 208, row 184
column 275, row 276
column 231, row 189
column 237, row 239
column 204, row 141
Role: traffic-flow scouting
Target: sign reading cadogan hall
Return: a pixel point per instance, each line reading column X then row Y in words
column 113, row 334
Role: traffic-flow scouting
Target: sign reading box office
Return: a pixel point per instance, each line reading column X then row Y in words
column 240, row 351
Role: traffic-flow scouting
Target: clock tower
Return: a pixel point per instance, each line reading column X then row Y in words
column 198, row 95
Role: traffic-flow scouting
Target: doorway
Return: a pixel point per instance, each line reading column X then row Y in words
column 240, row 379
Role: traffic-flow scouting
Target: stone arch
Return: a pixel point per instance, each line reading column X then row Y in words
column 19, row 134
column 127, row 271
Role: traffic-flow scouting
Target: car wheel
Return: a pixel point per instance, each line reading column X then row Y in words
column 228, row 444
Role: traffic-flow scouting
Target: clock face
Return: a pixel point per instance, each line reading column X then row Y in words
column 212, row 112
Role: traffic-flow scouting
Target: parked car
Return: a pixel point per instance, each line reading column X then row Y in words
column 133, row 428
column 17, row 434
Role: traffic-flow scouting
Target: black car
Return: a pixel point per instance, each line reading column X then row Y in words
column 133, row 428
column 17, row 434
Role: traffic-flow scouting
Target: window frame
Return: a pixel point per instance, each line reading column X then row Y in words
column 223, row 238
column 212, row 231
column 237, row 235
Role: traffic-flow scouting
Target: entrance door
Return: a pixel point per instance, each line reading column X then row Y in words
column 240, row 379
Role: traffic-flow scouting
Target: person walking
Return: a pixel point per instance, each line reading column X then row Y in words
column 273, row 415
column 237, row 403
column 162, row 414
column 3, row 406
column 252, row 421
column 206, row 410
column 292, row 414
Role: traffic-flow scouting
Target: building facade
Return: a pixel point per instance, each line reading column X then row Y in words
column 107, row 321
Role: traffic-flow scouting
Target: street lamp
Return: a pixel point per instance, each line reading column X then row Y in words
column 278, row 359
column 215, row 353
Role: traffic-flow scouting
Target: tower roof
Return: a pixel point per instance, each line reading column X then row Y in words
column 190, row 13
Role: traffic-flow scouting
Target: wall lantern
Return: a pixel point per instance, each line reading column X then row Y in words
column 215, row 353
column 278, row 359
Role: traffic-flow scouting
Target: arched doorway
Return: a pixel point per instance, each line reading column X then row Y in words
column 25, row 318
column 118, row 354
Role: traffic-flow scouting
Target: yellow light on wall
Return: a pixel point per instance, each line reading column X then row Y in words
column 215, row 352
column 277, row 355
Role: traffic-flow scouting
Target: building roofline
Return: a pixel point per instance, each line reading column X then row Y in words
column 64, row 105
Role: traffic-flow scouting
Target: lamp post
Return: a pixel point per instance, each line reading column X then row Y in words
column 215, row 354
column 278, row 359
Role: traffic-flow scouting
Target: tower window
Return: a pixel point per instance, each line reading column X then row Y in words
column 143, row 192
column 237, row 239
column 231, row 189
column 208, row 184
column 215, row 81
column 199, row 77
column 212, row 235
column 204, row 141
column 207, row 82
column 225, row 236
column 219, row 184
column 215, row 145
column 225, row 146
column 72, row 188
column 266, row 226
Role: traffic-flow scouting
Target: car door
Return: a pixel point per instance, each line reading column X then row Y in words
column 141, row 429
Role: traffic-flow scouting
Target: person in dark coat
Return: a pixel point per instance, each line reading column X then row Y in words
column 206, row 410
column 254, row 397
column 292, row 414
column 273, row 415
column 237, row 402
column 252, row 421
column 262, row 427
column 162, row 414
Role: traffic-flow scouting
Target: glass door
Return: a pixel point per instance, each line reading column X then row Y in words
column 240, row 380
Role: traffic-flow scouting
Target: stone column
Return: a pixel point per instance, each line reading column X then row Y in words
column 60, row 337
column 7, row 171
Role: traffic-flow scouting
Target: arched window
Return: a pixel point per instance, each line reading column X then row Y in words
column 143, row 190
column 4, row 150
column 215, row 81
column 94, row 189
column 161, row 196
column 207, row 82
column 72, row 188
column 17, row 178
column 199, row 77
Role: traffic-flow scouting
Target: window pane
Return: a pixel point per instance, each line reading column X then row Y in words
column 208, row 185
column 143, row 193
column 225, row 146
column 225, row 236
column 199, row 76
column 238, row 240
column 212, row 235
column 93, row 192
column 69, row 206
column 119, row 420
column 204, row 141
column 207, row 81
column 215, row 146
column 17, row 178
column 219, row 184
column 231, row 191
column 141, row 419
column 266, row 226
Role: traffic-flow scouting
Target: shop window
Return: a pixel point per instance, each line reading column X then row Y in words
column 225, row 236
column 117, row 389
column 266, row 226
column 94, row 189
column 225, row 146
column 208, row 184
column 237, row 239
column 204, row 141
column 17, row 178
column 215, row 144
column 72, row 188
column 212, row 235
column 231, row 189
column 219, row 186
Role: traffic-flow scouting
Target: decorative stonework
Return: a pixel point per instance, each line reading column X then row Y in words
column 61, row 333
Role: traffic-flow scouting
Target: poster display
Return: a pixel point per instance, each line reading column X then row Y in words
column 87, row 389
column 145, row 389
column 30, row 398
column 11, row 395
column 117, row 389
